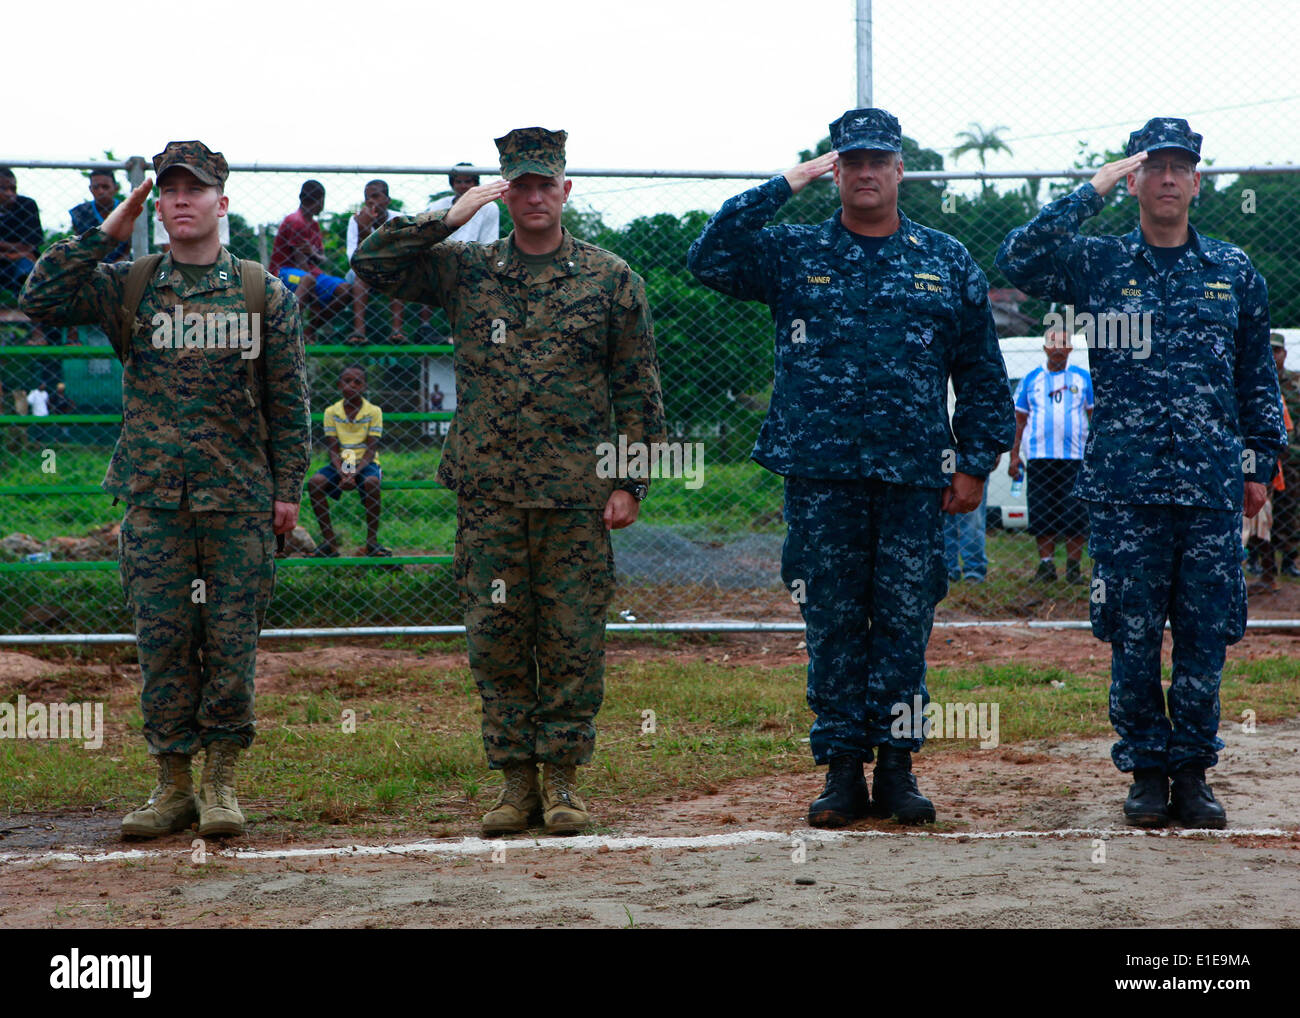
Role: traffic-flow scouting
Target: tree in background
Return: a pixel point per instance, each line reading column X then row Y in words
column 981, row 141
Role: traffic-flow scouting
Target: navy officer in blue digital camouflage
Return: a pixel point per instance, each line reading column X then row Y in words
column 873, row 314
column 1185, row 435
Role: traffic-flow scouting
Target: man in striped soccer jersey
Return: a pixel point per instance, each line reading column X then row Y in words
column 353, row 427
column 1053, row 408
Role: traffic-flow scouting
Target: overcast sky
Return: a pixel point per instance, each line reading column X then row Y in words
column 669, row 84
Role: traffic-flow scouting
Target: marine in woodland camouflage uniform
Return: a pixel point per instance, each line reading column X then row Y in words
column 1187, row 409
column 873, row 315
column 200, row 484
column 554, row 355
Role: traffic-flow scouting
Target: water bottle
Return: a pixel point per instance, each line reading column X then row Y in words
column 1018, row 486
column 38, row 556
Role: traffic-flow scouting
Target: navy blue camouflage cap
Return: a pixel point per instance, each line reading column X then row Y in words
column 531, row 150
column 1165, row 132
column 869, row 128
column 210, row 167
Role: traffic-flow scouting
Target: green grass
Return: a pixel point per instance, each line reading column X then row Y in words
column 736, row 499
column 415, row 762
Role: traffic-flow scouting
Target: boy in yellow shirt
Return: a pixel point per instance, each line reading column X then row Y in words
column 353, row 427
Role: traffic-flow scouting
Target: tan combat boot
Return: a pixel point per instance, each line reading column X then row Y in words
column 518, row 804
column 565, row 812
column 171, row 806
column 218, row 808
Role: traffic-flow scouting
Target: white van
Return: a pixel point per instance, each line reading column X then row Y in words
column 1021, row 355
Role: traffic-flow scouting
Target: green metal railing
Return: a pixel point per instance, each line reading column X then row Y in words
column 315, row 350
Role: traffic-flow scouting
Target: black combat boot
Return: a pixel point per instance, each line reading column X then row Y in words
column 1192, row 803
column 895, row 791
column 845, row 797
column 1147, row 804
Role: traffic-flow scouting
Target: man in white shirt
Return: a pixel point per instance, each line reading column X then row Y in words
column 374, row 213
column 1053, row 408
column 38, row 400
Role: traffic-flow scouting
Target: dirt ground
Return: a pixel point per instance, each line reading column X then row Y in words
column 1030, row 836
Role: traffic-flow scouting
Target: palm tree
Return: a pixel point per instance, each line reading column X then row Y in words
column 981, row 142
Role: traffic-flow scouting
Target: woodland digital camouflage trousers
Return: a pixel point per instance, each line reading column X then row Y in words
column 535, row 586
column 198, row 585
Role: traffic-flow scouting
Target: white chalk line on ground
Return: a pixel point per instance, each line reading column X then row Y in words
column 480, row 846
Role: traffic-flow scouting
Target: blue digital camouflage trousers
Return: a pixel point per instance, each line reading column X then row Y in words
column 1152, row 562
column 865, row 561
column 196, row 641
column 535, row 586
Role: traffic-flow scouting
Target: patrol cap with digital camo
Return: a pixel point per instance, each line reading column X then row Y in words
column 867, row 128
column 210, row 167
column 531, row 150
column 1165, row 132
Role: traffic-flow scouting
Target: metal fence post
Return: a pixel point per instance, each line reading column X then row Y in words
column 135, row 169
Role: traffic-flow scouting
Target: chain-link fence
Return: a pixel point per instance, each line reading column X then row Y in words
column 707, row 546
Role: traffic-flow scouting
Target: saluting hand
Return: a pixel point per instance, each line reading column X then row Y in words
column 120, row 221
column 367, row 216
column 1105, row 179
column 799, row 177
column 462, row 211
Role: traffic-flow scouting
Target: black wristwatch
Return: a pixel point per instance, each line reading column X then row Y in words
column 637, row 489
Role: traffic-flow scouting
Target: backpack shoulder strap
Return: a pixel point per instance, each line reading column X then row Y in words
column 141, row 271
column 253, row 277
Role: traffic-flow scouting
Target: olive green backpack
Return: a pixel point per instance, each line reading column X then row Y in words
column 142, row 270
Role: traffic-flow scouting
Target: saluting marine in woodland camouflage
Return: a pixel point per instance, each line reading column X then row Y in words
column 1183, row 418
column 554, row 355
column 873, row 315
column 210, row 462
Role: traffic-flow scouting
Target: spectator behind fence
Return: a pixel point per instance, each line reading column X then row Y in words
column 20, row 238
column 353, row 428
column 373, row 214
column 89, row 214
column 60, row 403
column 1053, row 408
column 297, row 256
column 963, row 543
column 1286, row 503
column 1274, row 525
column 38, row 402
